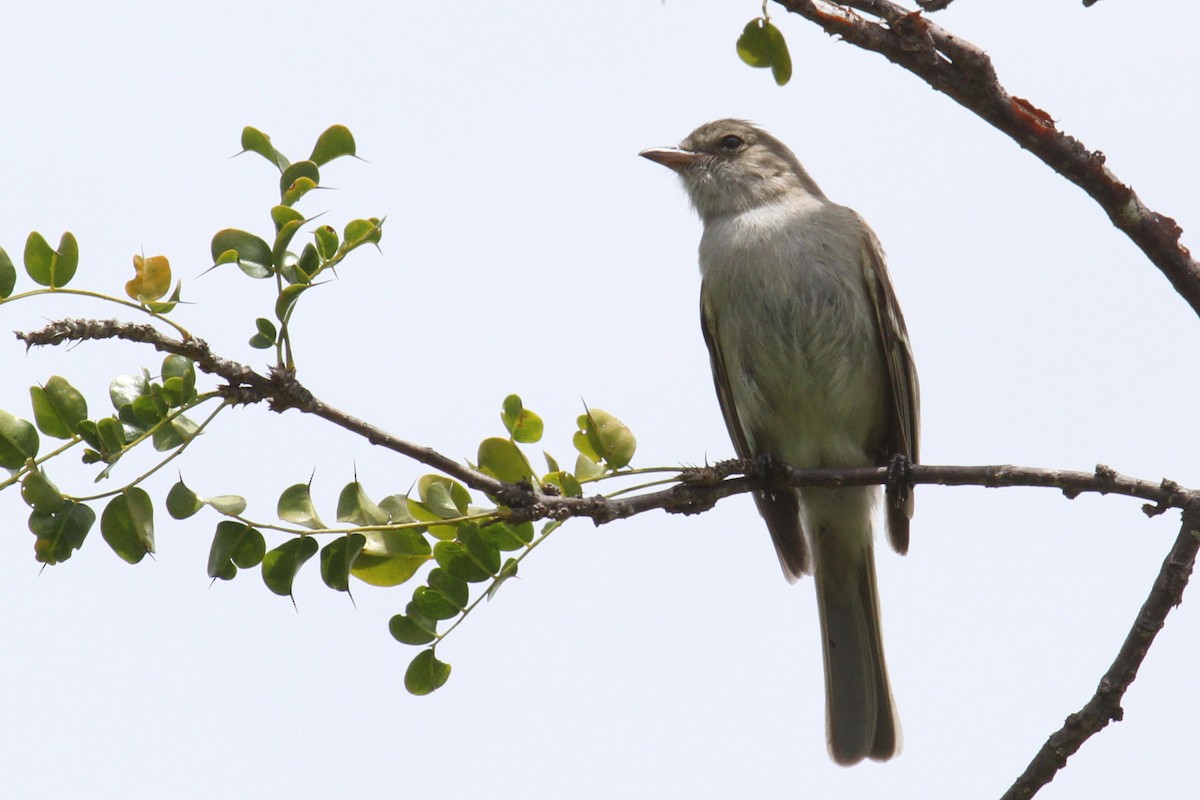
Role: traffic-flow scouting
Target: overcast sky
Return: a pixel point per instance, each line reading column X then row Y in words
column 527, row 249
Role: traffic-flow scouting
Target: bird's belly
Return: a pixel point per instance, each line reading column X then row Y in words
column 807, row 378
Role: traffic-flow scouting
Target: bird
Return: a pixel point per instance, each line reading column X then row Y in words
column 812, row 366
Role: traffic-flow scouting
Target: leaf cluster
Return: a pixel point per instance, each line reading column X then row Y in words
column 464, row 545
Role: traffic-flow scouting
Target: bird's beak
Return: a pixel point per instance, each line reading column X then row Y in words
column 671, row 157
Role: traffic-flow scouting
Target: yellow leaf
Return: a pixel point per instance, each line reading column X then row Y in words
column 152, row 278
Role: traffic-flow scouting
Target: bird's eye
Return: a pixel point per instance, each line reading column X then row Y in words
column 730, row 143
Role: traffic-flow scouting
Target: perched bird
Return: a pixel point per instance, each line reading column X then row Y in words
column 812, row 365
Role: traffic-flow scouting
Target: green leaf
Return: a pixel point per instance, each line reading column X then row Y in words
column 234, row 546
column 485, row 555
column 506, row 536
column 602, row 436
column 337, row 559
column 61, row 532
column 18, row 441
column 438, row 500
column 444, row 496
column 286, row 301
column 8, row 275
column 182, row 502
column 179, row 380
column 169, row 305
column 279, row 566
column 58, row 407
column 302, row 175
column 124, row 389
column 391, row 557
column 296, row 506
column 334, row 142
column 425, row 674
column 90, row 434
column 251, row 550
column 781, row 59
column 228, row 504
column 522, row 424
column 417, row 510
column 255, row 141
column 762, row 45
column 253, row 254
column 307, row 265
column 356, row 508
column 174, row 433
column 753, row 47
column 283, row 238
column 454, row 590
column 266, row 335
column 127, row 524
column 362, row 231
column 567, row 483
column 502, row 459
column 434, row 604
column 40, row 494
column 281, row 215
column 586, row 468
column 454, row 558
column 509, row 570
column 112, row 435
column 145, row 412
column 406, row 630
column 49, row 267
column 301, row 187
column 396, row 506
column 326, row 239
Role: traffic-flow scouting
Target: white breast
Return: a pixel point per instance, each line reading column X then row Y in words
column 797, row 331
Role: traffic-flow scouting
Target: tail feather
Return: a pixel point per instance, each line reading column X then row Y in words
column 860, row 716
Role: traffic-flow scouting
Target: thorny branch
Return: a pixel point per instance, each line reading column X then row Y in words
column 965, row 73
column 699, row 488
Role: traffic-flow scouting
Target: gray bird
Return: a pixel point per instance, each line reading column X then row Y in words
column 812, row 365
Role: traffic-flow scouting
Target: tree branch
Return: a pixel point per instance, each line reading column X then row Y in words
column 964, row 72
column 1105, row 705
column 698, row 490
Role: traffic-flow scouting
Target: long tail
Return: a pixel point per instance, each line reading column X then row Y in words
column 860, row 716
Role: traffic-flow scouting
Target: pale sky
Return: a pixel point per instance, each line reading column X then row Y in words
column 527, row 249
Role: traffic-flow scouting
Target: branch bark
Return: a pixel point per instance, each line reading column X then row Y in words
column 964, row 73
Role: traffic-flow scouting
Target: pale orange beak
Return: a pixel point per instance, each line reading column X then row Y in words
column 671, row 157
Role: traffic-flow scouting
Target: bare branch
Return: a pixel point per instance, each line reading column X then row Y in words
column 1105, row 705
column 964, row 72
